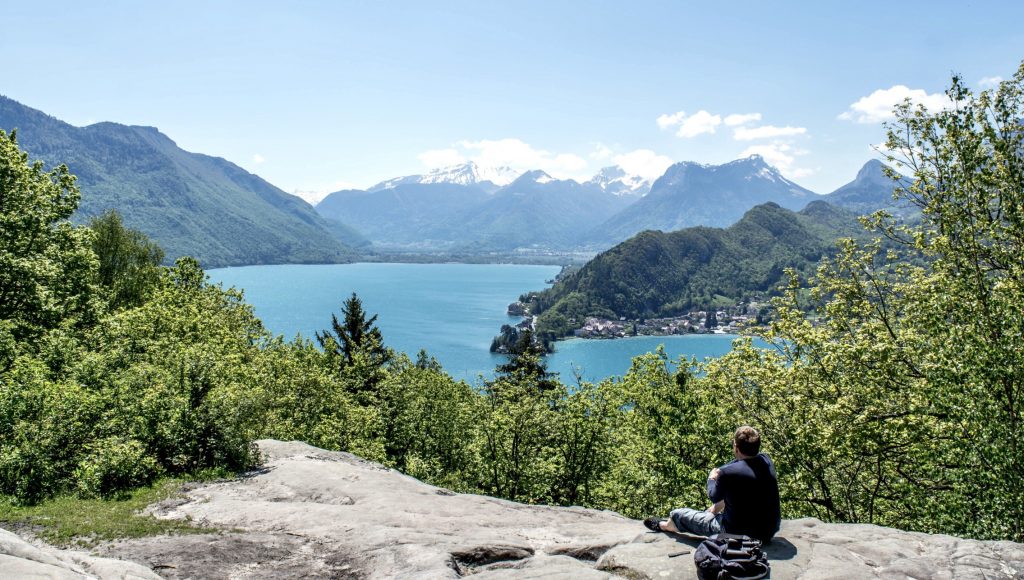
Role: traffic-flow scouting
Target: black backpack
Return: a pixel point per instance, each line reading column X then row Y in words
column 728, row 556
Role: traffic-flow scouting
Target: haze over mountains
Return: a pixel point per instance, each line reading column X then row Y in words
column 207, row 207
column 454, row 208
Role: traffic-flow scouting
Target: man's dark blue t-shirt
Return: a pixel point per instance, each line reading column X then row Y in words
column 750, row 488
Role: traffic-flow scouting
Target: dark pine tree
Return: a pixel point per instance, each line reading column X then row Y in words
column 526, row 362
column 354, row 333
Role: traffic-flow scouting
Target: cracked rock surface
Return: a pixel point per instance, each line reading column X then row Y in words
column 311, row 513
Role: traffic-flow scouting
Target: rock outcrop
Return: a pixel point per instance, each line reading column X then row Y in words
column 20, row 559
column 311, row 513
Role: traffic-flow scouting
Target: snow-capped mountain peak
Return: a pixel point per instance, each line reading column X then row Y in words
column 468, row 173
column 534, row 176
column 615, row 180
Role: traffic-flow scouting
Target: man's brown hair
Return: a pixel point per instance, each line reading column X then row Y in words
column 747, row 440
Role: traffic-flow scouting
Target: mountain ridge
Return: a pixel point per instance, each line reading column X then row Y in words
column 871, row 190
column 683, row 195
column 189, row 203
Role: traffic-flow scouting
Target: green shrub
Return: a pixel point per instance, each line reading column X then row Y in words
column 113, row 466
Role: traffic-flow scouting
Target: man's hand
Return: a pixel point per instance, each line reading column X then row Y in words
column 714, row 474
column 717, row 508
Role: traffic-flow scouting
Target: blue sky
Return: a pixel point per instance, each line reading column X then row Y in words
column 319, row 96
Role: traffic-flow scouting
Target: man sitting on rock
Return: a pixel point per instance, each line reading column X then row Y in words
column 744, row 495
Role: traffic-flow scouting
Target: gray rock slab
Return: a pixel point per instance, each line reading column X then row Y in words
column 21, row 559
column 310, row 513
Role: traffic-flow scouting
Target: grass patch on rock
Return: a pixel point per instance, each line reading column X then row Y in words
column 68, row 520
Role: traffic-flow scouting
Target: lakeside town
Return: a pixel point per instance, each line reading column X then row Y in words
column 727, row 320
column 721, row 321
column 718, row 322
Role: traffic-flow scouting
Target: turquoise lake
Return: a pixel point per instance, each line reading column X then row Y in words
column 451, row 310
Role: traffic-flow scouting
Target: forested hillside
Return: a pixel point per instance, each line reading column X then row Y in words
column 657, row 274
column 191, row 204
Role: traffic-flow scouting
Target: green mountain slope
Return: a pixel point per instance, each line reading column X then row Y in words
column 191, row 204
column 663, row 274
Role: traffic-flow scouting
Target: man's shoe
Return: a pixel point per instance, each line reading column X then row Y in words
column 654, row 524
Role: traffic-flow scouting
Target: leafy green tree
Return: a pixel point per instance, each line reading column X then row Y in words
column 711, row 321
column 512, row 440
column 426, row 362
column 44, row 427
column 178, row 373
column 129, row 263
column 47, row 267
column 670, row 430
column 581, row 441
column 900, row 404
column 302, row 397
column 429, row 423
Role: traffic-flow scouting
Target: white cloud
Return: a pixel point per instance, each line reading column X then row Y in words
column 690, row 125
column 258, row 159
column 877, row 107
column 738, row 119
column 437, row 158
column 519, row 155
column 990, row 82
column 698, row 123
column 766, row 132
column 782, row 156
column 643, row 162
column 502, row 152
column 665, row 121
column 569, row 162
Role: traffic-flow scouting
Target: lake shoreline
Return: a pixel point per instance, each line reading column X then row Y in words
column 451, row 310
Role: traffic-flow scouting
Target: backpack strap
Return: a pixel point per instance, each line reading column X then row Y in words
column 764, row 571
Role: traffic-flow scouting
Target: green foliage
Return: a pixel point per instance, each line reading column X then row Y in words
column 668, row 435
column 47, row 270
column 113, row 466
column 129, row 263
column 183, row 361
column 525, row 364
column 430, row 420
column 581, row 437
column 512, row 433
column 44, row 426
